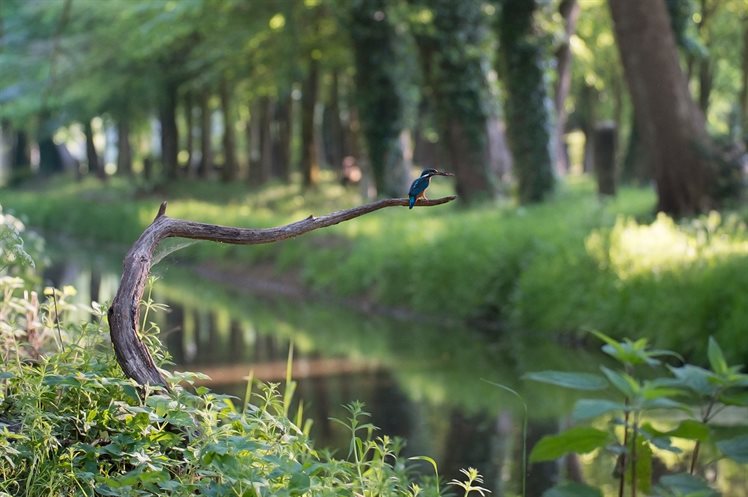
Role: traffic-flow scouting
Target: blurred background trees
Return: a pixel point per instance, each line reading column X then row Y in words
column 277, row 91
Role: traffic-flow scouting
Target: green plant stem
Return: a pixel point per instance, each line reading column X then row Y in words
column 622, row 481
column 632, row 462
column 704, row 419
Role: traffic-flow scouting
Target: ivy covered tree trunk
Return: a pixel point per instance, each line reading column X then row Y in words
column 381, row 89
column 169, row 131
column 671, row 126
column 230, row 164
column 528, row 107
column 454, row 65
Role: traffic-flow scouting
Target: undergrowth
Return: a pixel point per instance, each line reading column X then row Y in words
column 71, row 424
column 568, row 264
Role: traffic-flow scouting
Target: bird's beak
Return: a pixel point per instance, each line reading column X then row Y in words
column 444, row 173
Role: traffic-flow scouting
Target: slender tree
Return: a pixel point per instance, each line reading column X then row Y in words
column 671, row 126
column 310, row 89
column 206, row 136
column 569, row 10
column 230, row 163
column 169, row 130
column 528, row 107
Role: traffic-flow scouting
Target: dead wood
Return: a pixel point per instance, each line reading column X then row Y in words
column 124, row 313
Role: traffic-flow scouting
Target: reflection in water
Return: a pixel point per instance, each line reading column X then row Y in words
column 419, row 382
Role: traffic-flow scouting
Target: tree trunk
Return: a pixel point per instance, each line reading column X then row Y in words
column 206, row 136
column 169, row 131
column 267, row 112
column 21, row 152
column 381, row 88
column 92, row 156
column 671, row 125
column 124, row 148
column 744, row 88
column 309, row 163
column 190, row 125
column 528, row 118
column 230, row 164
column 569, row 10
column 605, row 152
column 282, row 138
column 454, row 65
column 334, row 125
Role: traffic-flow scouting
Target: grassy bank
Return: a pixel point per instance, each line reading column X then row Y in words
column 568, row 264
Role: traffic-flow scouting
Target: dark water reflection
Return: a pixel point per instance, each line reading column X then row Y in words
column 422, row 382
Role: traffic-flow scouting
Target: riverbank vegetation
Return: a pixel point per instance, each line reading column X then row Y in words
column 71, row 423
column 572, row 263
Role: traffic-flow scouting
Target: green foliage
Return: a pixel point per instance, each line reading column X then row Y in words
column 71, row 424
column 672, row 393
column 569, row 264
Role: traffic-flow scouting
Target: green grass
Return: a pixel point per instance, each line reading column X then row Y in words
column 569, row 264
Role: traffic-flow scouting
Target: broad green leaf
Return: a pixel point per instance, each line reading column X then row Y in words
column 690, row 429
column 735, row 448
column 737, row 399
column 688, row 485
column 575, row 381
column 627, row 385
column 592, row 408
column 694, row 378
column 581, row 440
column 572, row 490
column 716, row 358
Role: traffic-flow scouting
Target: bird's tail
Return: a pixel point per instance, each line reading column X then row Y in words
column 411, row 201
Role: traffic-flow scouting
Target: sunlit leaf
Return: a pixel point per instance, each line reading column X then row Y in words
column 716, row 357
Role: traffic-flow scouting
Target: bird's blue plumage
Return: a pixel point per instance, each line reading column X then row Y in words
column 417, row 188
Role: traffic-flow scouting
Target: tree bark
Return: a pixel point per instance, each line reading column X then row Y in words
column 334, row 125
column 604, row 152
column 671, row 125
column 528, row 118
column 169, row 131
column 454, row 66
column 190, row 125
column 124, row 313
column 381, row 91
column 569, row 10
column 230, row 164
column 124, row 147
column 282, row 138
column 92, row 156
column 744, row 88
column 206, row 136
column 309, row 162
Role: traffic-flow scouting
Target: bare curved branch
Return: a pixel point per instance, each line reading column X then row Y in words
column 132, row 355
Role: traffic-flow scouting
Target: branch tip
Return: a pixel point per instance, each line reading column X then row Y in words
column 161, row 210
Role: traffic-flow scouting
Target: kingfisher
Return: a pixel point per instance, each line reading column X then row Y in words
column 418, row 187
